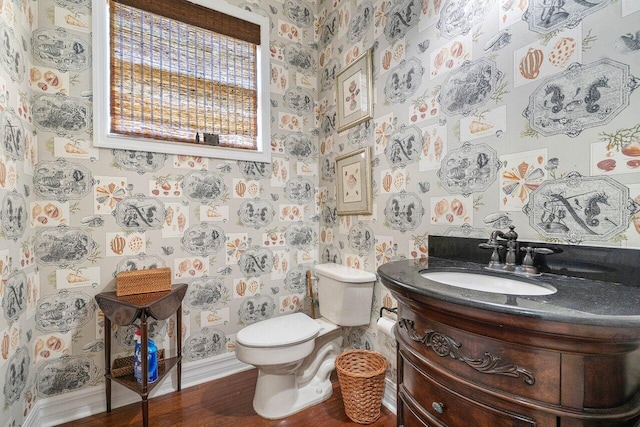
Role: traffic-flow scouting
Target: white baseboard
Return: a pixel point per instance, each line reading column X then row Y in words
column 390, row 398
column 65, row 407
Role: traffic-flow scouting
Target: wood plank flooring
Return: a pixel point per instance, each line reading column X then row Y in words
column 221, row 403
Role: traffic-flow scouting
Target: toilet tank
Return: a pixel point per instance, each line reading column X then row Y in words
column 345, row 294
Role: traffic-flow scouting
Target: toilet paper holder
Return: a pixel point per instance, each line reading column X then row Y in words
column 393, row 310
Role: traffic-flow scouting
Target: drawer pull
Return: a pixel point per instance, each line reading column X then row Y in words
column 444, row 346
column 438, row 407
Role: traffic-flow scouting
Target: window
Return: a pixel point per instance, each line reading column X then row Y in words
column 181, row 77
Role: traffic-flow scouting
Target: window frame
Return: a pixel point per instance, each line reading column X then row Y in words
column 102, row 137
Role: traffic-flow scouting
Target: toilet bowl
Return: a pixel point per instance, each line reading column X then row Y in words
column 294, row 353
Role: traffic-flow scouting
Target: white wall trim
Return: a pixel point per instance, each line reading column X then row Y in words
column 390, row 398
column 65, row 407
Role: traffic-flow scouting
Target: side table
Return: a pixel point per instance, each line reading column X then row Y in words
column 124, row 311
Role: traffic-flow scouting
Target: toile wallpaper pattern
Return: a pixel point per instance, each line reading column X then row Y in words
column 486, row 114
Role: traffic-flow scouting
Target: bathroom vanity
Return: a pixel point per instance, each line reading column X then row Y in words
column 564, row 358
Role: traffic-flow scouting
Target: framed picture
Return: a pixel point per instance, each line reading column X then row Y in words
column 353, row 172
column 355, row 93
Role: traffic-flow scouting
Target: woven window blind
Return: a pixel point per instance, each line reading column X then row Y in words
column 171, row 80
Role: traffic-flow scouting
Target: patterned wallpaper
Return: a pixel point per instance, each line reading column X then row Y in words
column 240, row 233
column 486, row 114
column 19, row 275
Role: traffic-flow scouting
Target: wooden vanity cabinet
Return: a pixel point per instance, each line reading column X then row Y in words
column 446, row 406
column 461, row 366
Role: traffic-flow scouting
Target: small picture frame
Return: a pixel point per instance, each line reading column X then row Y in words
column 353, row 172
column 355, row 93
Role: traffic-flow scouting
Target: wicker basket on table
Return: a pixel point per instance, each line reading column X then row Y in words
column 143, row 281
column 361, row 375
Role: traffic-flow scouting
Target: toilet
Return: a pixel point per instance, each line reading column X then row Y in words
column 294, row 353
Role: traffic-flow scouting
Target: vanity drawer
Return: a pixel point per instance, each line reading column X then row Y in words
column 525, row 371
column 409, row 417
column 442, row 406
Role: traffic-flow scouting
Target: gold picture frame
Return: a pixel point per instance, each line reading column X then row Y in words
column 353, row 192
column 355, row 93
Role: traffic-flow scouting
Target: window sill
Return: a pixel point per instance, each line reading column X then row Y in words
column 216, row 152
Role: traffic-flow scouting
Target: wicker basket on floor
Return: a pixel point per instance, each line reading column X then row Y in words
column 361, row 375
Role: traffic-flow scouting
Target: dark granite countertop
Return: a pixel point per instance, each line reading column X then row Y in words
column 577, row 300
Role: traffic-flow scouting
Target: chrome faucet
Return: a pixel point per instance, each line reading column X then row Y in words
column 512, row 248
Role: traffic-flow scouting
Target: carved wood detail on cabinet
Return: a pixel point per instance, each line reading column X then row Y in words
column 443, row 346
column 458, row 367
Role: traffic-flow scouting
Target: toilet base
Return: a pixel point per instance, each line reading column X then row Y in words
column 277, row 396
column 280, row 395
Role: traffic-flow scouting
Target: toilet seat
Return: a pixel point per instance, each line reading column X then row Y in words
column 282, row 331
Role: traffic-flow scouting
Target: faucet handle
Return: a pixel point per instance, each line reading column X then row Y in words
column 543, row 251
column 490, row 245
column 527, row 262
column 495, row 262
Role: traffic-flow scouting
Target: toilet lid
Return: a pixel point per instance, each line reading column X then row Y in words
column 279, row 331
column 344, row 274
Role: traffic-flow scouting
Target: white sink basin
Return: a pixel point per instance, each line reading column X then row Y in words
column 486, row 283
